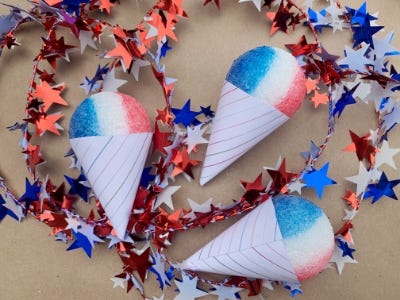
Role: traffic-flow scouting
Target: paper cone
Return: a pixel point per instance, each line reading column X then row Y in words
column 253, row 247
column 113, row 166
column 241, row 121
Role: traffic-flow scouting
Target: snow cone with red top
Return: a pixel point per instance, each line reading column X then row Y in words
column 287, row 239
column 110, row 134
column 263, row 89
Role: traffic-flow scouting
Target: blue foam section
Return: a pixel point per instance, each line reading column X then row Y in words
column 295, row 214
column 84, row 120
column 250, row 68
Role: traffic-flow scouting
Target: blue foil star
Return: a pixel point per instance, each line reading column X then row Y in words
column 364, row 32
column 382, row 188
column 81, row 241
column 346, row 250
column 146, row 177
column 346, row 99
column 164, row 49
column 206, row 111
column 184, row 115
column 318, row 179
column 358, row 16
column 31, row 193
column 72, row 6
column 4, row 211
column 77, row 188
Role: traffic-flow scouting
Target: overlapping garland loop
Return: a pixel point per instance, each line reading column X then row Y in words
column 147, row 44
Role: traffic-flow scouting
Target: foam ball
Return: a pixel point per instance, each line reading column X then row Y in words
column 271, row 74
column 108, row 113
column 307, row 234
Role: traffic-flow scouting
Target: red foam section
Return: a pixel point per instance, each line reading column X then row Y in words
column 314, row 267
column 297, row 92
column 136, row 115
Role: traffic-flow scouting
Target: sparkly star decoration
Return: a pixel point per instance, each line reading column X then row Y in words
column 362, row 179
column 165, row 197
column 158, row 268
column 31, row 193
column 283, row 18
column 185, row 115
column 340, row 260
column 361, row 146
column 225, row 292
column 384, row 155
column 78, row 186
column 4, row 210
column 363, row 32
column 345, row 99
column 85, row 239
column 356, row 59
column 187, row 288
column 383, row 187
column 195, row 207
column 137, row 262
column 280, row 178
column 346, row 250
column 302, row 47
column 318, row 179
column 195, row 136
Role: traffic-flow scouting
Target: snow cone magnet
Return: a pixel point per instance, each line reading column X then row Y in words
column 263, row 89
column 287, row 239
column 110, row 134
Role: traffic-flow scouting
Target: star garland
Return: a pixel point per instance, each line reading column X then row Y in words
column 364, row 74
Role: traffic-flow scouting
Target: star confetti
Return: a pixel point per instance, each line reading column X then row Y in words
column 385, row 155
column 225, row 292
column 165, row 197
column 49, row 95
column 318, row 179
column 383, row 187
column 340, row 260
column 362, row 179
column 185, row 115
column 187, row 288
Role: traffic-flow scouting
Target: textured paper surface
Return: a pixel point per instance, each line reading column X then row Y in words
column 241, row 122
column 113, row 166
column 252, row 247
column 34, row 266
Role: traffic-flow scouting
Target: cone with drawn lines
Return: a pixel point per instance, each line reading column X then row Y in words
column 286, row 238
column 110, row 134
column 262, row 90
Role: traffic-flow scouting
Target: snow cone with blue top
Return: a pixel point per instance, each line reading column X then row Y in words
column 263, row 89
column 287, row 238
column 110, row 134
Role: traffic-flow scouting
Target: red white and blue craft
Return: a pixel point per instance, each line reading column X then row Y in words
column 264, row 87
column 287, row 238
column 110, row 134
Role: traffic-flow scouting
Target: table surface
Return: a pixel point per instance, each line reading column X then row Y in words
column 34, row 266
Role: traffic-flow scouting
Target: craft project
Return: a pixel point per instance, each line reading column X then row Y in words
column 110, row 134
column 287, row 238
column 263, row 89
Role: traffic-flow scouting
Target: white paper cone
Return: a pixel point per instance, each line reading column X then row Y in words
column 113, row 166
column 241, row 121
column 252, row 247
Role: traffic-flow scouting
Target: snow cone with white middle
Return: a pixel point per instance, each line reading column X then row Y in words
column 110, row 134
column 264, row 87
column 287, row 239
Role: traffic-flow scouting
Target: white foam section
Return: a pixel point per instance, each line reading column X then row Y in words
column 252, row 247
column 310, row 246
column 113, row 166
column 111, row 114
column 276, row 84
